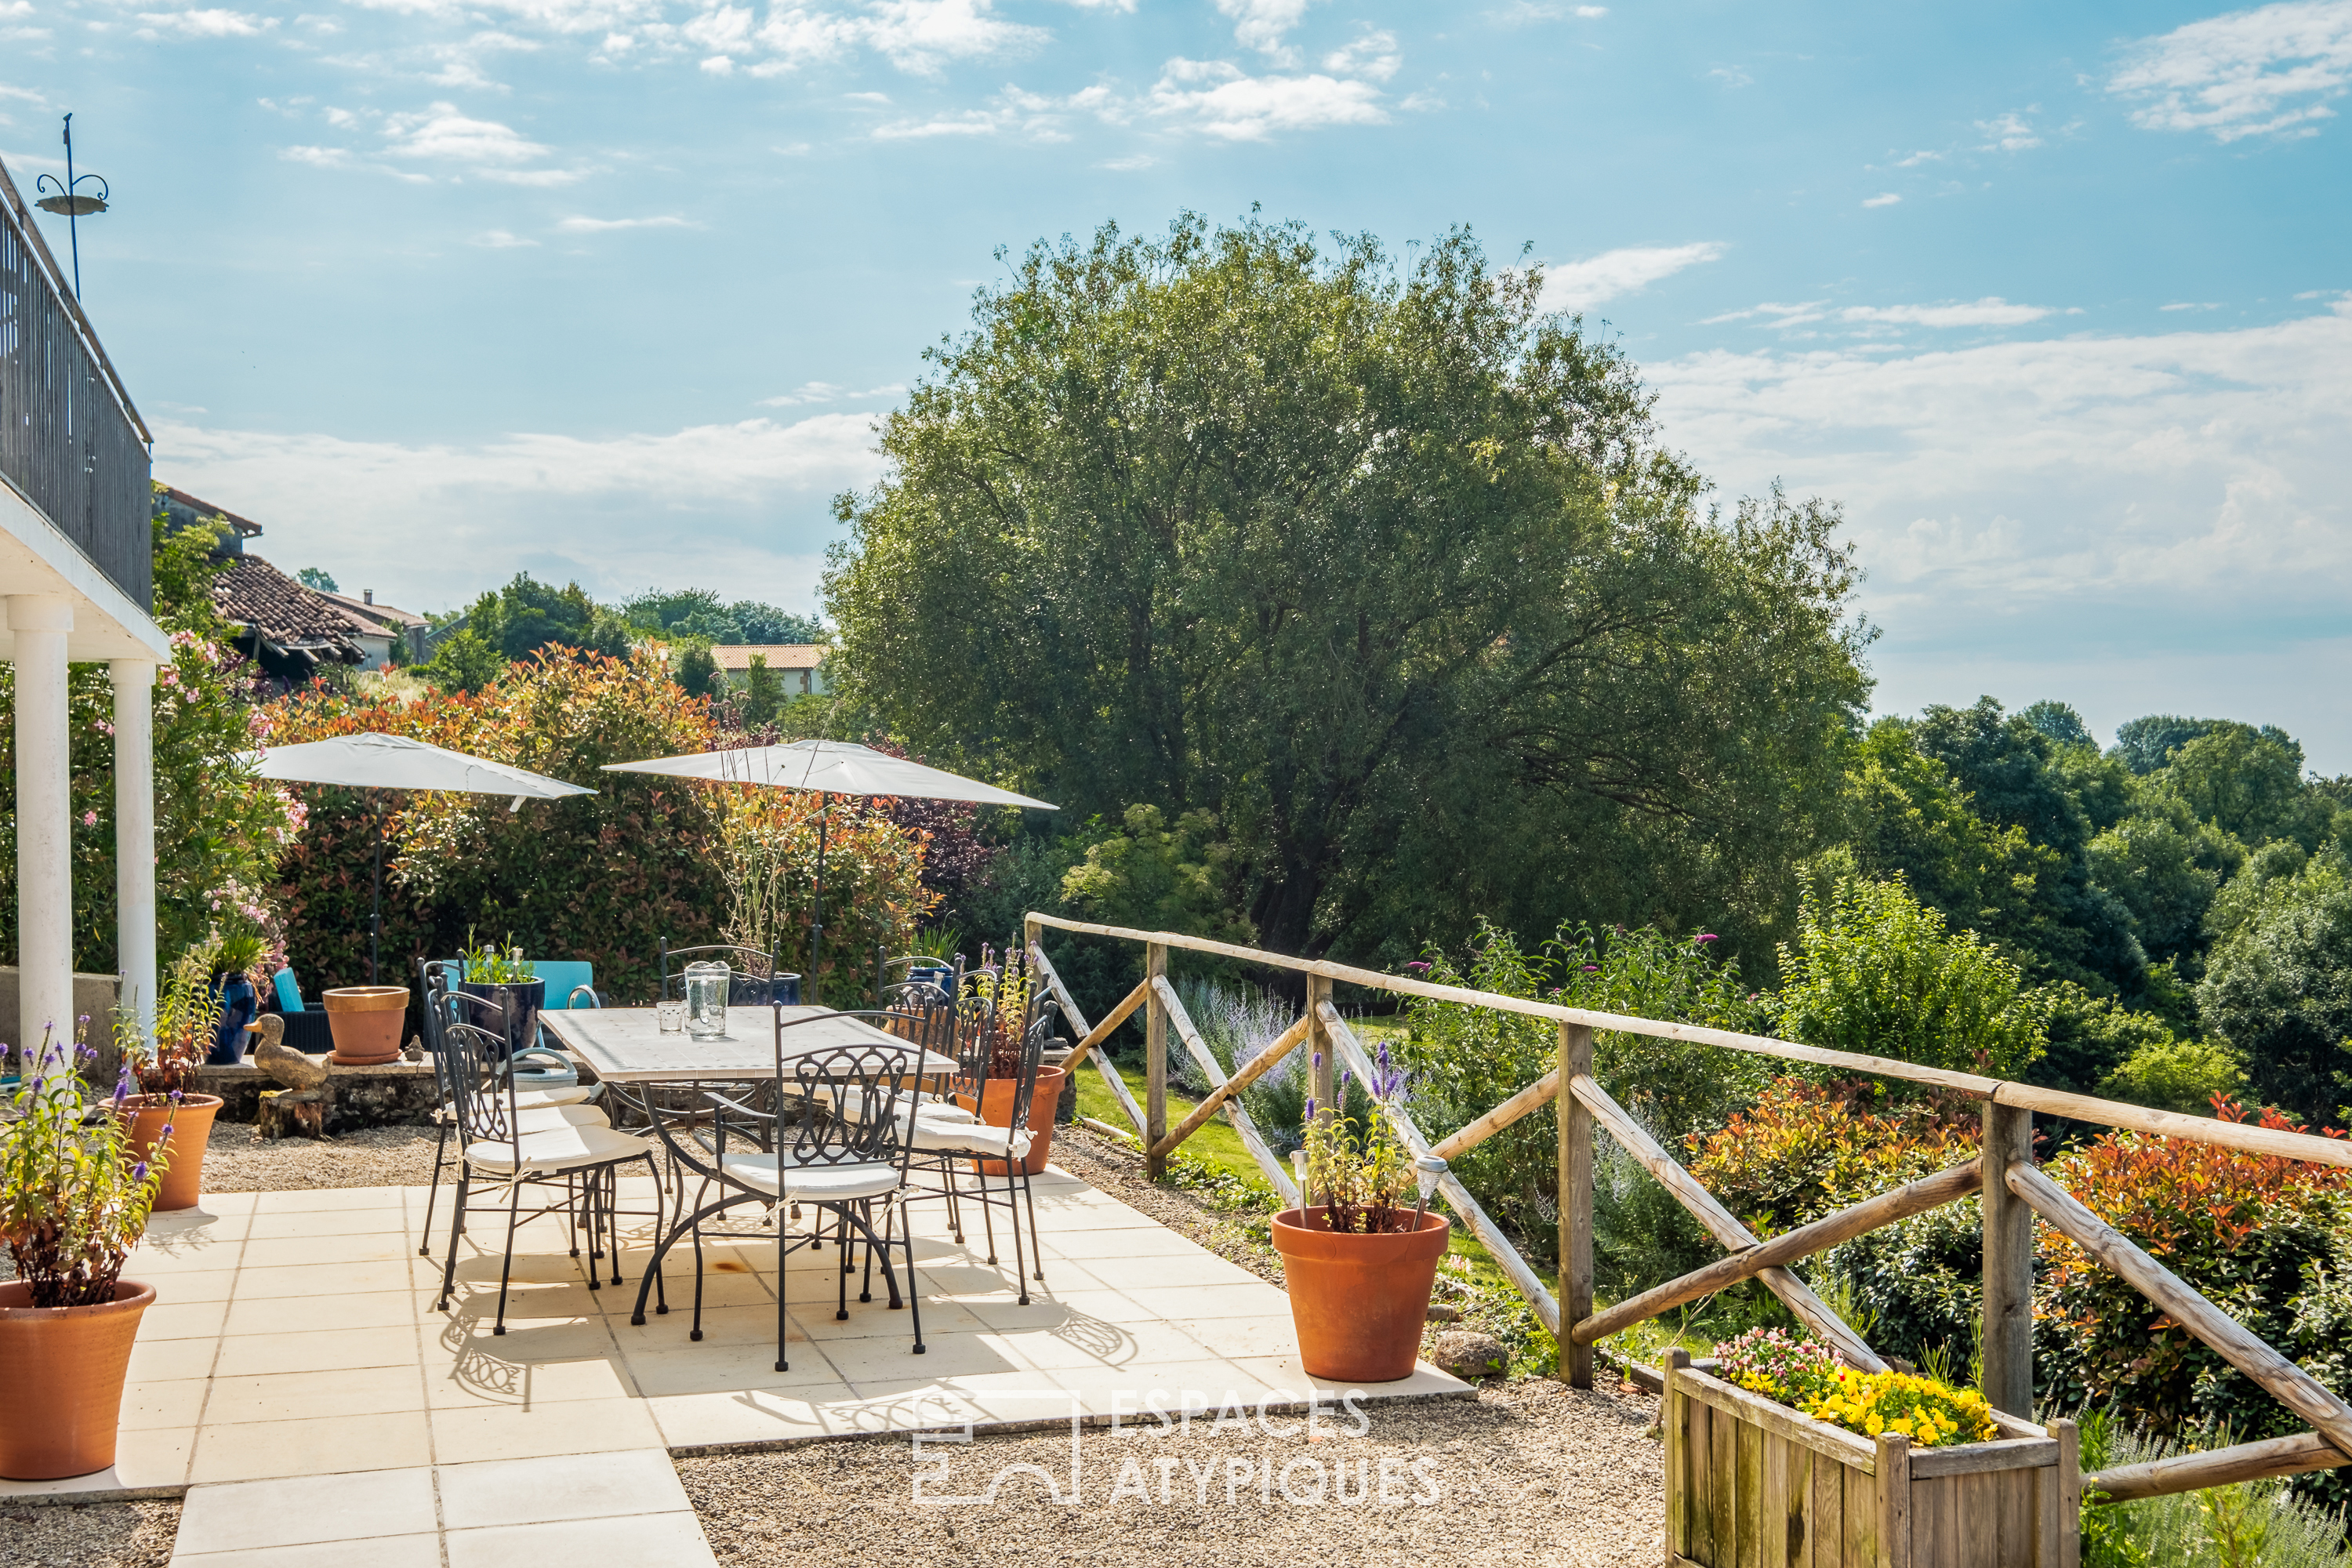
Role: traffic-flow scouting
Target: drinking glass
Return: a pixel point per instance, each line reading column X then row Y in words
column 671, row 1016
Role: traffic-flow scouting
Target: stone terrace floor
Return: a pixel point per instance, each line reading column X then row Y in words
column 294, row 1380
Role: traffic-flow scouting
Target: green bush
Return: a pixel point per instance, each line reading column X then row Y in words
column 1874, row 971
column 2177, row 1075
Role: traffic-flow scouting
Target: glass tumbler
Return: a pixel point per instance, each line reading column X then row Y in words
column 671, row 1016
column 706, row 1000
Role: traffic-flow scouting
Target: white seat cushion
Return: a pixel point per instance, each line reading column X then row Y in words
column 539, row 1099
column 546, row 1117
column 813, row 1184
column 558, row 1148
column 956, row 1137
column 925, row 1104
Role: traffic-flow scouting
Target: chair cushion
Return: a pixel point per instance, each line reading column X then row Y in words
column 559, row 1149
column 956, row 1137
column 813, row 1183
column 539, row 1099
column 544, row 1117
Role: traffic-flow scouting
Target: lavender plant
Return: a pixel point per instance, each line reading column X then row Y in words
column 1362, row 1175
column 72, row 1201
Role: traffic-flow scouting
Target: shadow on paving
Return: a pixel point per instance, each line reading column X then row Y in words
column 1527, row 1473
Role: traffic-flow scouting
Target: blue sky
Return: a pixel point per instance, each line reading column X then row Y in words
column 2053, row 299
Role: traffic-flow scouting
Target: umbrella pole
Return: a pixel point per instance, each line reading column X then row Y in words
column 816, row 918
column 375, row 923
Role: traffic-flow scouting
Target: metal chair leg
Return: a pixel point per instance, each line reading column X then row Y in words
column 440, row 1148
column 914, row 1289
column 456, row 1215
column 506, row 1266
column 1036, row 1248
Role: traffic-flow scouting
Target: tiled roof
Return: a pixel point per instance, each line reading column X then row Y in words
column 780, row 656
column 255, row 594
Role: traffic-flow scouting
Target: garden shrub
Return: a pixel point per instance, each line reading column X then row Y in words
column 874, row 891
column 1465, row 1060
column 606, row 877
column 2267, row 1239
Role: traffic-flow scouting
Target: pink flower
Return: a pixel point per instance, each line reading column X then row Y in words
column 90, row 820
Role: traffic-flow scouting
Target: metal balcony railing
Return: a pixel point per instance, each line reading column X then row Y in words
column 70, row 441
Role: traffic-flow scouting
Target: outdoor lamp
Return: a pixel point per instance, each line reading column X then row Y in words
column 1429, row 1170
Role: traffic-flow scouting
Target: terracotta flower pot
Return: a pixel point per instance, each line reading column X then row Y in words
column 996, row 1110
column 1358, row 1302
column 191, row 1123
column 63, row 1368
column 365, row 1021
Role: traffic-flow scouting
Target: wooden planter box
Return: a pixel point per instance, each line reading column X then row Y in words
column 1752, row 1484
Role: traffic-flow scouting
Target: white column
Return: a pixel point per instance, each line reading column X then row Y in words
column 40, row 623
column 134, row 834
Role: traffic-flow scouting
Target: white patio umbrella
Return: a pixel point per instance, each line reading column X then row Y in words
column 370, row 760
column 827, row 768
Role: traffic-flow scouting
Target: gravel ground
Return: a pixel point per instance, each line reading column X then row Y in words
column 92, row 1535
column 1529, row 1472
column 237, row 1161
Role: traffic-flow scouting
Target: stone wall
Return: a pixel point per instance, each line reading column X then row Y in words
column 396, row 1094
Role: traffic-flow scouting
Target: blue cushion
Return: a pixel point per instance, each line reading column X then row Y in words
column 562, row 978
column 289, row 996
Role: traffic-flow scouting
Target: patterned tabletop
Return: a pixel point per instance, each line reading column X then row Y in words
column 625, row 1045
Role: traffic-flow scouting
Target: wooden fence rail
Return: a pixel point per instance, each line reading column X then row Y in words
column 2011, row 1202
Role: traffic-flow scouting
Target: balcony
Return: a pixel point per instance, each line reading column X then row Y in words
column 71, row 443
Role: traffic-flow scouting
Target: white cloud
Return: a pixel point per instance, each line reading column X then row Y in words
column 319, row 157
column 2270, row 72
column 1218, row 100
column 1986, row 312
column 969, row 122
column 1731, row 76
column 499, row 239
column 1884, row 199
column 743, row 504
column 441, row 132
column 2190, row 305
column 827, row 392
column 605, row 224
column 1374, row 56
column 1582, row 285
column 1261, row 24
column 2010, row 132
column 1129, row 164
column 208, row 24
column 2206, row 472
column 540, row 179
column 1038, row 116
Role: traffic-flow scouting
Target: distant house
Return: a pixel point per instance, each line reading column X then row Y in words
column 378, row 627
column 290, row 631
column 180, row 510
column 801, row 664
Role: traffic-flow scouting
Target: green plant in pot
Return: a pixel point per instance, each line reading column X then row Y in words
column 1359, row 1257
column 999, row 999
column 503, row 976
column 168, row 1107
column 73, row 1200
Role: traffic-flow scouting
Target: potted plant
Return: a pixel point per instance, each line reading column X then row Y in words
column 73, row 1200
column 1360, row 1263
column 1784, row 1448
column 187, row 1019
column 502, row 975
column 998, row 998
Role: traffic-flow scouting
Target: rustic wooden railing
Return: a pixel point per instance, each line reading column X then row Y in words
column 2013, row 1189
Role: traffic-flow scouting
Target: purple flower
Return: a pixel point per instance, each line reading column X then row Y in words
column 1310, row 1107
column 1591, row 969
column 1706, row 936
column 122, row 1086
column 139, row 1172
column 1418, row 966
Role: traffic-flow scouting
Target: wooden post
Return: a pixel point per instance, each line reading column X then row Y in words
column 1155, row 1062
column 2067, row 1506
column 1674, row 1415
column 2008, row 1265
column 1322, row 1067
column 1575, row 1123
column 1894, row 1500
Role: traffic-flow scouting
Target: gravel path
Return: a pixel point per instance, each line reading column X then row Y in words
column 91, row 1535
column 1527, row 1473
column 237, row 1161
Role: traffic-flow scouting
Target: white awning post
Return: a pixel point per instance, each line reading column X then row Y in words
column 134, row 835
column 38, row 623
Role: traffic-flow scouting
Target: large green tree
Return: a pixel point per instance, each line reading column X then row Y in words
column 1385, row 567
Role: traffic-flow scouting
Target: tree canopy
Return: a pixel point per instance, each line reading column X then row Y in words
column 1384, row 566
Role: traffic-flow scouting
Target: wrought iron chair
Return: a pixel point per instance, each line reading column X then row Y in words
column 836, row 1144
column 537, row 1110
column 585, row 1158
column 943, row 1139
